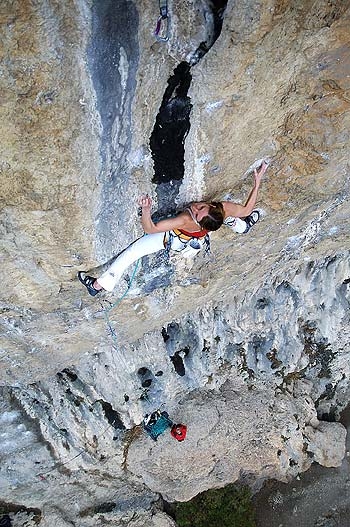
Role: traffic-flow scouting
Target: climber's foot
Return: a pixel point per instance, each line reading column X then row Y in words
column 88, row 281
column 251, row 220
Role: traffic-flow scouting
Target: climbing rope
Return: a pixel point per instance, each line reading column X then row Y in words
column 106, row 310
column 162, row 27
column 42, row 475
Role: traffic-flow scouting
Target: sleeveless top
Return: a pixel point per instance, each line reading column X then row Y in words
column 196, row 234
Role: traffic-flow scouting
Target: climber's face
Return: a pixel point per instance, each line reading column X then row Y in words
column 200, row 209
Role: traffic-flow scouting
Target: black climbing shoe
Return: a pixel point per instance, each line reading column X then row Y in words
column 251, row 220
column 88, row 281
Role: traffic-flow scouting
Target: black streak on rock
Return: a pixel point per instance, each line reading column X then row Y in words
column 178, row 362
column 112, row 416
column 72, row 376
column 168, row 137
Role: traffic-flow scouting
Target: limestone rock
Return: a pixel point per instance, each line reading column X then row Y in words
column 327, row 443
column 251, row 347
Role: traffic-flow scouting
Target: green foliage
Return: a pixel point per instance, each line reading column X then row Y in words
column 226, row 507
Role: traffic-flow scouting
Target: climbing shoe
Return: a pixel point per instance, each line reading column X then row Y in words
column 251, row 220
column 88, row 281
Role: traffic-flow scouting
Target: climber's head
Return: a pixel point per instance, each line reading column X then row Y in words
column 209, row 215
column 179, row 432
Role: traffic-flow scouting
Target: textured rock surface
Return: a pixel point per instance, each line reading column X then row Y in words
column 318, row 497
column 250, row 348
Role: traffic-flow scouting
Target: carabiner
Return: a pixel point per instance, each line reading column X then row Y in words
column 162, row 28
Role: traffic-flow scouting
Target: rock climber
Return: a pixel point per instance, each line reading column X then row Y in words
column 187, row 232
column 157, row 422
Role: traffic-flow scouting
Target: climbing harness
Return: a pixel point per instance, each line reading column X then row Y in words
column 162, row 27
column 186, row 241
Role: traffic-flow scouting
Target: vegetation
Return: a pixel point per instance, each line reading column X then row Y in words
column 227, row 507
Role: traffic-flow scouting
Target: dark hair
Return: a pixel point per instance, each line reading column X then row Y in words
column 214, row 218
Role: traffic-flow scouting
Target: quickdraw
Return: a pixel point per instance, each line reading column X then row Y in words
column 162, row 27
column 186, row 241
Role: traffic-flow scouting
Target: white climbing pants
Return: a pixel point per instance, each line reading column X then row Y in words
column 148, row 244
column 152, row 243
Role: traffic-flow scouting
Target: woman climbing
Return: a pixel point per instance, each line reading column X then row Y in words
column 187, row 232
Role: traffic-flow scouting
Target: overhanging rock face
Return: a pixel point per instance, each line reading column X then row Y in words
column 249, row 348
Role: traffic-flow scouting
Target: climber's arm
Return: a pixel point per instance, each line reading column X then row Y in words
column 161, row 226
column 241, row 211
